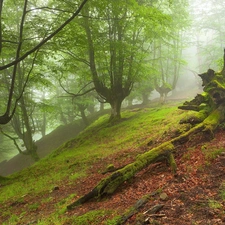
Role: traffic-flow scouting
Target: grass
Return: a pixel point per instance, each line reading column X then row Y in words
column 213, row 204
column 211, row 153
column 71, row 161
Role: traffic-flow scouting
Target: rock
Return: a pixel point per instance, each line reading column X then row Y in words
column 163, row 196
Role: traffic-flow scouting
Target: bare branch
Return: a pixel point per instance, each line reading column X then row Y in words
column 49, row 9
column 76, row 95
column 84, row 86
column 70, row 53
column 14, row 141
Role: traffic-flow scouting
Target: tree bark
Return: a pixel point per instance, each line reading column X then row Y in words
column 115, row 109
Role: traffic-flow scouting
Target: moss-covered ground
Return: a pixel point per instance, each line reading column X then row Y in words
column 40, row 193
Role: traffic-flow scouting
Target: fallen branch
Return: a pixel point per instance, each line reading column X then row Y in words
column 134, row 209
column 157, row 215
column 154, row 209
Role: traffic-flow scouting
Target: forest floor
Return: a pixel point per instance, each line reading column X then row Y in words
column 194, row 195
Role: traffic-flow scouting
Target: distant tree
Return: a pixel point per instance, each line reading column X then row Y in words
column 208, row 28
column 141, row 91
column 167, row 50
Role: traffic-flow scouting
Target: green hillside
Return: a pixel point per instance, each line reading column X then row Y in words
column 40, row 193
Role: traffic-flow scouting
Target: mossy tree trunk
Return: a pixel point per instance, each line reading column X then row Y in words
column 209, row 108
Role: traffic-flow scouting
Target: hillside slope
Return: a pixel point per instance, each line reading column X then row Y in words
column 46, row 145
column 40, row 194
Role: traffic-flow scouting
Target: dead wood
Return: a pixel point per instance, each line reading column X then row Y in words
column 134, row 209
column 154, row 209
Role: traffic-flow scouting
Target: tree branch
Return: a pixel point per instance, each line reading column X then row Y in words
column 49, row 9
column 16, row 61
column 14, row 141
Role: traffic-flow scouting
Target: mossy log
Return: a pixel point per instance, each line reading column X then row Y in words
column 211, row 107
column 109, row 184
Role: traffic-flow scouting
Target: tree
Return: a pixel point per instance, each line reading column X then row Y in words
column 208, row 30
column 18, row 38
column 118, row 36
column 167, row 50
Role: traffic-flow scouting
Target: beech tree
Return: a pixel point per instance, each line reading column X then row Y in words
column 118, row 35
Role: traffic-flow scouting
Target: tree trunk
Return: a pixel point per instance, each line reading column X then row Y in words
column 43, row 125
column 145, row 99
column 115, row 109
column 83, row 115
column 29, row 143
column 101, row 106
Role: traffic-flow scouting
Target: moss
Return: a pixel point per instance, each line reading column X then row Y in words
column 111, row 183
column 195, row 117
column 204, row 94
column 213, row 120
column 93, row 217
column 4, row 180
column 110, row 167
column 172, row 163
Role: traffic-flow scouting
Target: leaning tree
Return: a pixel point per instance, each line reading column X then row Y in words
column 209, row 110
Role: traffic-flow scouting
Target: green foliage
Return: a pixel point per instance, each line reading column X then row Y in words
column 214, row 204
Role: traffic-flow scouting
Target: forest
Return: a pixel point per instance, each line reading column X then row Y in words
column 112, row 112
